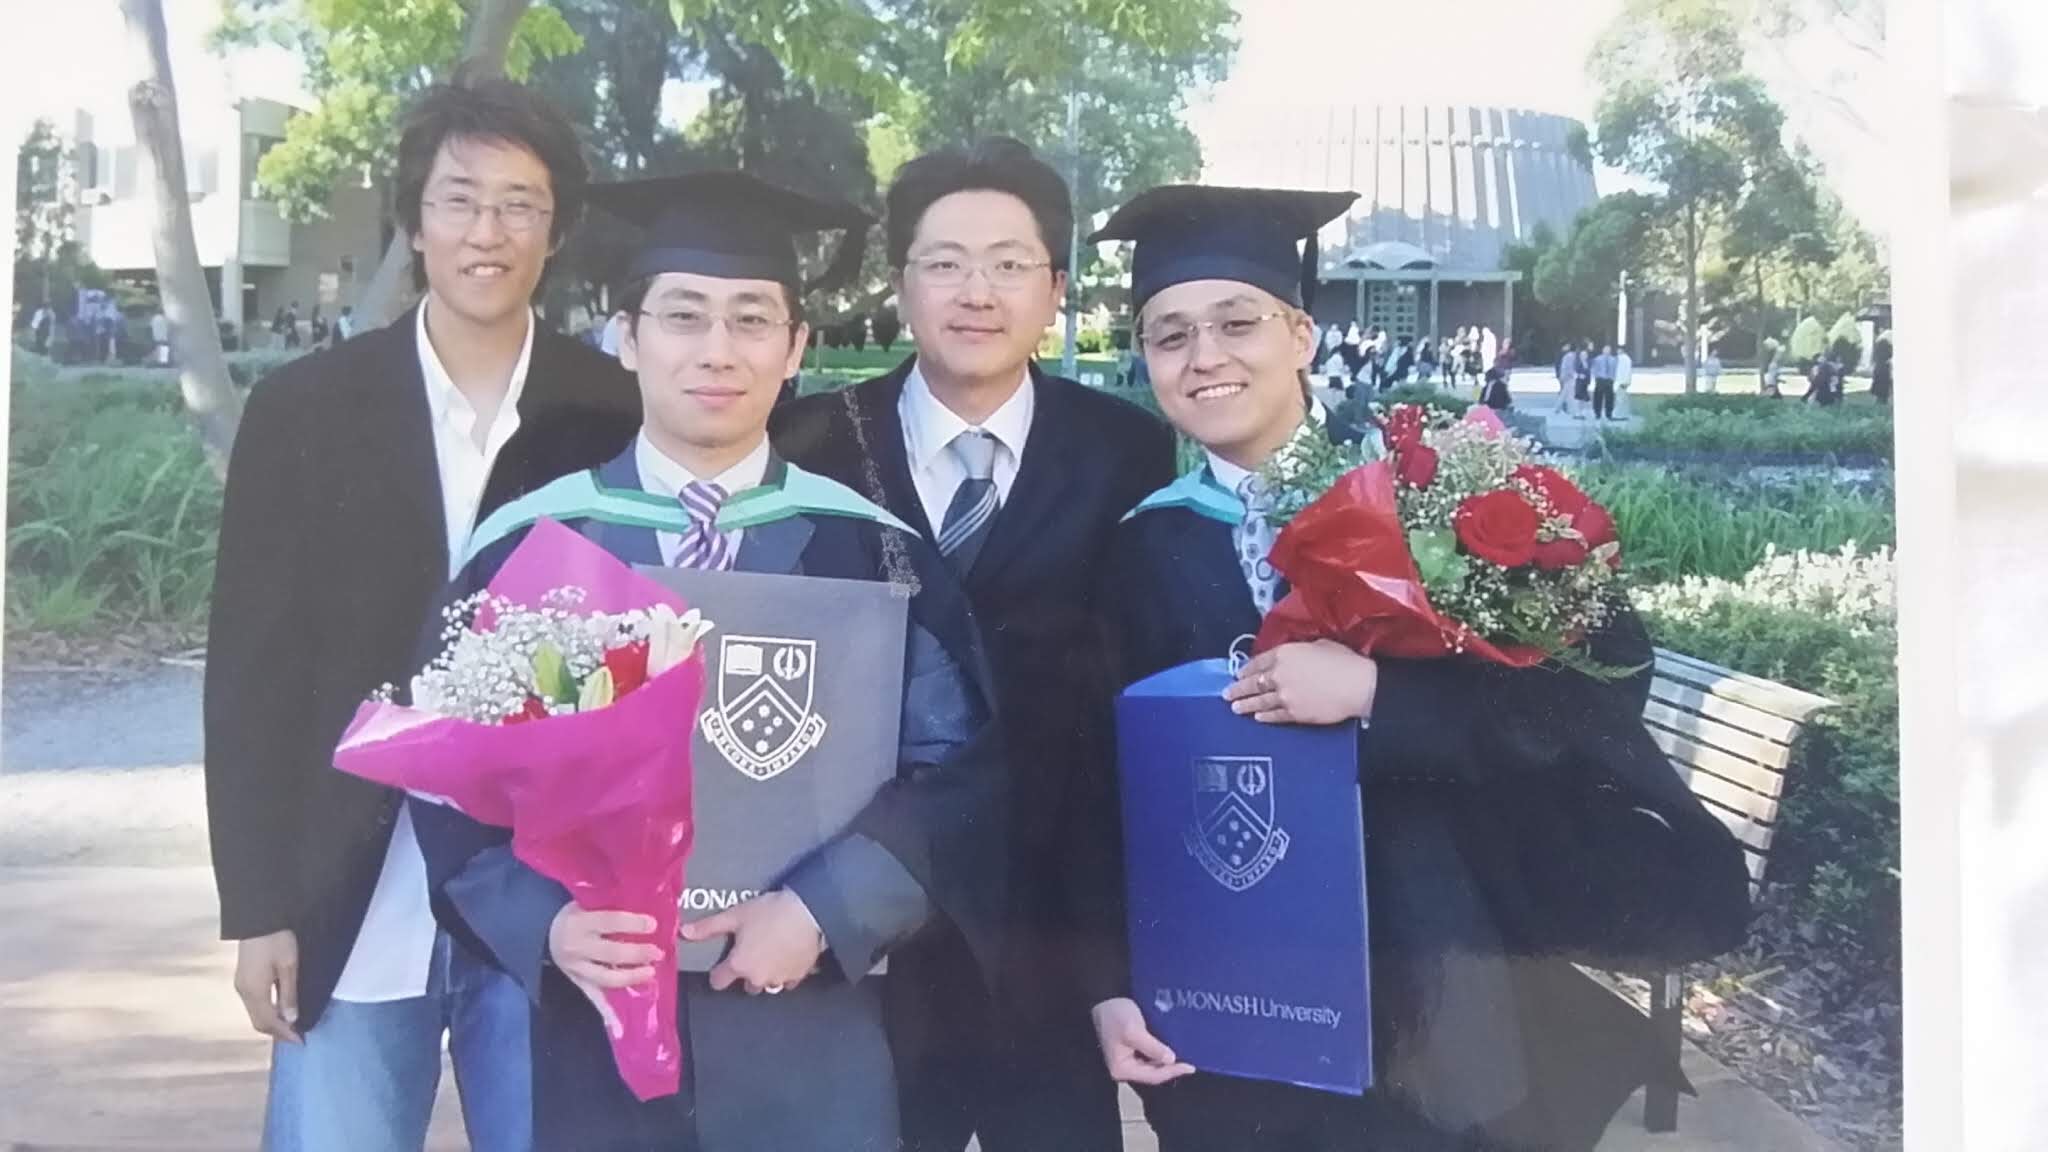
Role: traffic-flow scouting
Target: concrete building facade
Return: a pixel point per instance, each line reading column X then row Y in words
column 1443, row 190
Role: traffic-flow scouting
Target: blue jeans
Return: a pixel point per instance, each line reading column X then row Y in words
column 365, row 1079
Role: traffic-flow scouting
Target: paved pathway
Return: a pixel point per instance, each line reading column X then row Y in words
column 122, row 1032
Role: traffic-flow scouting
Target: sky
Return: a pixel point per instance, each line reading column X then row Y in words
column 1514, row 53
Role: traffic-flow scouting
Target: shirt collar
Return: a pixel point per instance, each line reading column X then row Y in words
column 931, row 427
column 1232, row 477
column 664, row 477
column 442, row 394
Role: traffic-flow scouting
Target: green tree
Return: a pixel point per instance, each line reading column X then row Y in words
column 1578, row 279
column 1098, row 86
column 1677, row 108
column 364, row 59
column 1778, row 228
column 49, row 265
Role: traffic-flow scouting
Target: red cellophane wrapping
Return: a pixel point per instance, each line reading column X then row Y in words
column 1351, row 579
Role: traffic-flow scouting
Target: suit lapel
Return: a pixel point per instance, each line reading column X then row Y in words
column 878, row 412
column 1205, row 564
column 630, row 543
column 400, row 429
column 1038, row 495
column 776, row 547
column 519, row 466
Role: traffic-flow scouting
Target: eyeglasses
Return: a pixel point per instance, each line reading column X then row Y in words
column 1231, row 332
column 951, row 271
column 460, row 211
column 750, row 327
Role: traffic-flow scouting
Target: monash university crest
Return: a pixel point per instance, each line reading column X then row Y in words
column 1233, row 835
column 763, row 723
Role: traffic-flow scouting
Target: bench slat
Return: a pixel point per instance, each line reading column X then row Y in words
column 1760, row 752
column 1741, row 716
column 1755, row 838
column 1776, row 699
column 1697, row 760
column 1707, row 786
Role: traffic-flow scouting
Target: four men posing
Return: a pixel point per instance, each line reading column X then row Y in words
column 987, row 872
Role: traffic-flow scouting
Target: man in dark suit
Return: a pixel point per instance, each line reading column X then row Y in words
column 356, row 478
column 1019, row 477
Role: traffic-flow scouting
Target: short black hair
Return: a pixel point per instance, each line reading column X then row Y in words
column 633, row 293
column 997, row 164
column 473, row 106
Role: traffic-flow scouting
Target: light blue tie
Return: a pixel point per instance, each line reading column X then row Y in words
column 1254, row 539
column 974, row 504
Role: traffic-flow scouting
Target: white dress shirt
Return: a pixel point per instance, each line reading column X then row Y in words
column 396, row 944
column 929, row 428
column 664, row 477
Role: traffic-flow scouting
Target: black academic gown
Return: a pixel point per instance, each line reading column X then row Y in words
column 808, row 1070
column 1515, row 820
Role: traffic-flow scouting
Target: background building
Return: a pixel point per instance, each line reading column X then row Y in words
column 1443, row 190
column 253, row 256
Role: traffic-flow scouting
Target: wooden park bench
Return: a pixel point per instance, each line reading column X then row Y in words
column 1731, row 737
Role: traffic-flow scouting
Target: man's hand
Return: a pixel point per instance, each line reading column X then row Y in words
column 1315, row 683
column 1130, row 1051
column 775, row 942
column 581, row 944
column 267, row 980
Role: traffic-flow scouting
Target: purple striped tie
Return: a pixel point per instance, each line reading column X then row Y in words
column 704, row 546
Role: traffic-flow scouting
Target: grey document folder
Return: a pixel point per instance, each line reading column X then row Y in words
column 803, row 694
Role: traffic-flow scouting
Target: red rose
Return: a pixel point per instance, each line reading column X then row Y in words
column 1553, row 488
column 628, row 665
column 1403, row 427
column 1499, row 526
column 1416, row 465
column 1594, row 523
column 532, row 710
column 1561, row 553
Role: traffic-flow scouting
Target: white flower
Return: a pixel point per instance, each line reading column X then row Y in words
column 1846, row 586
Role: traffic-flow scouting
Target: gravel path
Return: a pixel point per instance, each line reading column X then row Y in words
column 101, row 768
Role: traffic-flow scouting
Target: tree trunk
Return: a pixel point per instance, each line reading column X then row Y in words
column 1692, row 298
column 490, row 37
column 1763, row 318
column 203, row 378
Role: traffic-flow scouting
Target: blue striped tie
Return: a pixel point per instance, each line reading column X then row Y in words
column 974, row 504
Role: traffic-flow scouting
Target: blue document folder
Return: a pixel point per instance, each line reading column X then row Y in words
column 1244, row 859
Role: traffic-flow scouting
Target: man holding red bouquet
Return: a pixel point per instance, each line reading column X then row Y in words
column 1516, row 817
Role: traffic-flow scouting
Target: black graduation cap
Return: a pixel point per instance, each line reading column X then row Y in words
column 1189, row 232
column 733, row 225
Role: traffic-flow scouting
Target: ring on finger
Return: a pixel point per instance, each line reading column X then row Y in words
column 773, row 989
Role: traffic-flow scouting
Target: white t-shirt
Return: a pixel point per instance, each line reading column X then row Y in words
column 396, row 943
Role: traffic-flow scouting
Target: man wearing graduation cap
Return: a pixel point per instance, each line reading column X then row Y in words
column 1514, row 818
column 786, row 1047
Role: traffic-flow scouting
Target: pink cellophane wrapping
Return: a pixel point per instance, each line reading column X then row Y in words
column 598, row 801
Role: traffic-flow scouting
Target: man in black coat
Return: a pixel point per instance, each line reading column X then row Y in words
column 357, row 475
column 1020, row 478
column 1515, row 819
